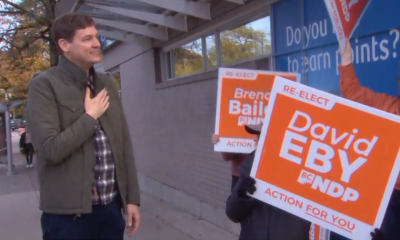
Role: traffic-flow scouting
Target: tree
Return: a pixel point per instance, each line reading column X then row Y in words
column 26, row 44
column 25, row 26
column 14, row 78
column 240, row 44
column 188, row 59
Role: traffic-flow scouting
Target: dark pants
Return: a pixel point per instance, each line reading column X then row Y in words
column 235, row 179
column 335, row 236
column 29, row 153
column 106, row 223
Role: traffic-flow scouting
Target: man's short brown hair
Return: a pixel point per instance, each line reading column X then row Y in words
column 65, row 26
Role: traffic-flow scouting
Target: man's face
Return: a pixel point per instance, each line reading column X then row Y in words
column 84, row 47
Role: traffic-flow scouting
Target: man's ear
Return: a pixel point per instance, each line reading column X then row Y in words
column 64, row 45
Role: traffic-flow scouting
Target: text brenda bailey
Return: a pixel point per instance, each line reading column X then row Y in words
column 249, row 105
column 370, row 49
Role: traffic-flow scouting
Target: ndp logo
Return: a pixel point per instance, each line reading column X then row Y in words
column 330, row 188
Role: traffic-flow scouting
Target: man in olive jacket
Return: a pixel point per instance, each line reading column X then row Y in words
column 86, row 168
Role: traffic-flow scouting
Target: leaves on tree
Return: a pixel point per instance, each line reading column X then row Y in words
column 25, row 43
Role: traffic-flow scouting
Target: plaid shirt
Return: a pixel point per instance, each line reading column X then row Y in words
column 104, row 189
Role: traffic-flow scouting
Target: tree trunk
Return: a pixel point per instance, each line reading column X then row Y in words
column 53, row 54
column 52, row 46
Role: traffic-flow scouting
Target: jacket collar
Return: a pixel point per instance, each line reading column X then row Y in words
column 76, row 73
column 78, row 76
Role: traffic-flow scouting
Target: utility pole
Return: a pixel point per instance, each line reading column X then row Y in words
column 5, row 107
column 9, row 141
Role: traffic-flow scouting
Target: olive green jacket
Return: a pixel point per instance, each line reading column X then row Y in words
column 62, row 133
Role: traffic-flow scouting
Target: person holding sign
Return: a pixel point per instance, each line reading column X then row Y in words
column 352, row 89
column 259, row 220
column 235, row 158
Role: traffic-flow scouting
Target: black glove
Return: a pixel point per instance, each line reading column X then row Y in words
column 377, row 234
column 248, row 184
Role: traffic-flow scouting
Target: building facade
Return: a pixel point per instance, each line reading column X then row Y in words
column 166, row 56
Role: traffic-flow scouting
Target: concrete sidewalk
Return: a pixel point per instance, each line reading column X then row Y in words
column 20, row 215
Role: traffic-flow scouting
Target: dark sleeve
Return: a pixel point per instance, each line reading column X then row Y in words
column 44, row 123
column 22, row 140
column 238, row 208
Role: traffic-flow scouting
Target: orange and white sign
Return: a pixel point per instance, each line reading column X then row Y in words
column 327, row 159
column 242, row 99
column 318, row 233
column 345, row 16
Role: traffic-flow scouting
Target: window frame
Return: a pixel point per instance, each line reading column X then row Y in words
column 248, row 18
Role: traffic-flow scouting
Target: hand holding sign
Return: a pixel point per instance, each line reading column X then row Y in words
column 345, row 16
column 346, row 54
column 214, row 138
column 247, row 185
column 377, row 234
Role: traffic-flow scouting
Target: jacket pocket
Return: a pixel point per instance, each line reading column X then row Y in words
column 70, row 111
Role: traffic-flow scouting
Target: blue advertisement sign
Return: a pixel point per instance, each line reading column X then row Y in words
column 305, row 42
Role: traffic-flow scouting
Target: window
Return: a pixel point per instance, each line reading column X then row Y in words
column 241, row 43
column 246, row 42
column 211, row 52
column 188, row 59
column 105, row 42
column 116, row 77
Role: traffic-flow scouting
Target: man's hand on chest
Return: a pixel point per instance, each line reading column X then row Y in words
column 97, row 105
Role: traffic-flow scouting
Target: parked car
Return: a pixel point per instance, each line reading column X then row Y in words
column 16, row 124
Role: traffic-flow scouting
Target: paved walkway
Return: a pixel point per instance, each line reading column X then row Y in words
column 20, row 215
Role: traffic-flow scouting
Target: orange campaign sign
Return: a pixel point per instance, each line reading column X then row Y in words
column 345, row 16
column 318, row 233
column 243, row 96
column 327, row 159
